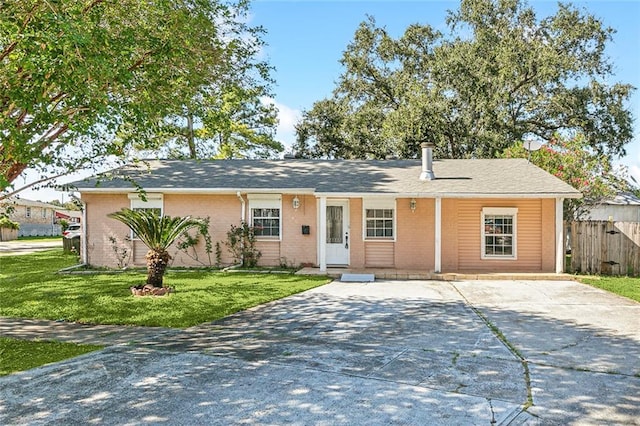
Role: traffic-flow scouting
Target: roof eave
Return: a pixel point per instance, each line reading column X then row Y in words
column 311, row 191
column 199, row 190
column 449, row 195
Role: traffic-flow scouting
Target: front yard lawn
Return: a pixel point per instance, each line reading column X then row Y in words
column 19, row 355
column 31, row 288
column 624, row 286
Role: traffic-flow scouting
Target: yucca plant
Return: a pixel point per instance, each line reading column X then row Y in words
column 157, row 233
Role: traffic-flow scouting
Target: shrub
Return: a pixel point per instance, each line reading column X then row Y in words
column 5, row 222
column 241, row 242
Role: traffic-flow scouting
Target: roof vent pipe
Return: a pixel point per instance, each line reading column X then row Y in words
column 427, row 161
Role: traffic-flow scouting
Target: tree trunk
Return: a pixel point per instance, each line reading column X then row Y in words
column 191, row 140
column 157, row 262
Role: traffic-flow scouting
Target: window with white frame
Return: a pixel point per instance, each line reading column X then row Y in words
column 265, row 211
column 27, row 212
column 151, row 202
column 379, row 219
column 44, row 213
column 499, row 235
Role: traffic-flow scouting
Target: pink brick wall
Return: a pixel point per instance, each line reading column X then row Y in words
column 412, row 250
column 99, row 228
column 223, row 210
column 295, row 248
column 415, row 246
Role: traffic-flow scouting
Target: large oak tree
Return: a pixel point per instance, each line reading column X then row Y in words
column 77, row 74
column 498, row 75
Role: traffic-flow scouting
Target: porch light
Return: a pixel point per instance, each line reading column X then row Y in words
column 296, row 202
column 412, row 205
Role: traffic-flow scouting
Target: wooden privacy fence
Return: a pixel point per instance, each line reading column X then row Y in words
column 71, row 245
column 607, row 248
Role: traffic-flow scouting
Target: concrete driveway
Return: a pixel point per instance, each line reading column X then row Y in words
column 394, row 352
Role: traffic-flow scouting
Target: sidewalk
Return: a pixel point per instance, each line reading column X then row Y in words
column 95, row 334
column 11, row 248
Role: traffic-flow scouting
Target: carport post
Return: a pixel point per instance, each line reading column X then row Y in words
column 559, row 236
column 438, row 236
column 322, row 234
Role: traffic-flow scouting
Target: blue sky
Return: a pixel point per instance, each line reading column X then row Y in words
column 306, row 40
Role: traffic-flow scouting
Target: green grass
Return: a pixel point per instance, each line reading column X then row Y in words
column 19, row 355
column 624, row 286
column 31, row 288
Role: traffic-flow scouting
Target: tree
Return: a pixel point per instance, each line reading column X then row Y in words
column 499, row 75
column 236, row 123
column 230, row 117
column 74, row 73
column 570, row 159
column 157, row 233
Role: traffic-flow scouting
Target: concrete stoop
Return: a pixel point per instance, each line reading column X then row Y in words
column 400, row 274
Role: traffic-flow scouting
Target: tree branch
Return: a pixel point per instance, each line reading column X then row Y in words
column 91, row 5
column 45, row 179
column 11, row 46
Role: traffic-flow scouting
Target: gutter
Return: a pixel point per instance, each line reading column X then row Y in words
column 444, row 195
column 383, row 193
column 222, row 191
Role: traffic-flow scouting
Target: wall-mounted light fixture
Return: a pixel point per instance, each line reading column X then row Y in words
column 296, row 202
column 412, row 205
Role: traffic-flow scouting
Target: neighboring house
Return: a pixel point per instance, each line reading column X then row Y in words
column 624, row 207
column 71, row 216
column 35, row 217
column 494, row 215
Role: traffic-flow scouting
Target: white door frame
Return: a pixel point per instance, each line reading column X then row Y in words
column 322, row 234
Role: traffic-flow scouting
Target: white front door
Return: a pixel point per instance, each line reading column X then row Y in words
column 337, row 224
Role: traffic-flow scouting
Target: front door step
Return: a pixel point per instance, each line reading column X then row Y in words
column 358, row 278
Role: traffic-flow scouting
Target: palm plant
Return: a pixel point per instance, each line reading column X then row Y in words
column 157, row 233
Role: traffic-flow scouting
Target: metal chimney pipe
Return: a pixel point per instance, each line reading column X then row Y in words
column 427, row 161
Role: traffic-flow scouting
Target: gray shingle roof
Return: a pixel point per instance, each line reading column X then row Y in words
column 623, row 199
column 463, row 178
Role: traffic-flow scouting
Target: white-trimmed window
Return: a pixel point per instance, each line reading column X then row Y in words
column 379, row 219
column 152, row 202
column 265, row 215
column 44, row 213
column 499, row 236
column 27, row 212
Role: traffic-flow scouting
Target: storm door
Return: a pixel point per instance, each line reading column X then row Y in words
column 337, row 242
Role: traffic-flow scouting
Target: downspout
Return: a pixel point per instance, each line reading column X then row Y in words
column 83, row 243
column 242, row 212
